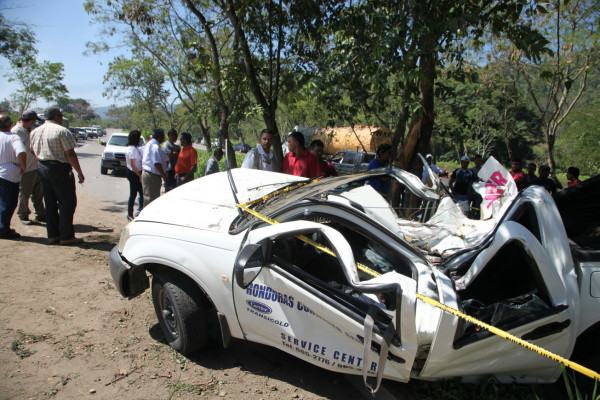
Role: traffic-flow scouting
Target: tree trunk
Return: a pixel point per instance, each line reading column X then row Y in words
column 505, row 133
column 550, row 138
column 205, row 129
column 271, row 123
column 224, row 138
column 419, row 136
column 400, row 131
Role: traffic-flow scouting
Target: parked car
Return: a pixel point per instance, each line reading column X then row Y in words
column 101, row 132
column 113, row 156
column 351, row 161
column 242, row 147
column 82, row 133
column 220, row 272
column 91, row 133
column 75, row 133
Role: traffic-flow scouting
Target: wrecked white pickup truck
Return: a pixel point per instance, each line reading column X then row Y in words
column 219, row 270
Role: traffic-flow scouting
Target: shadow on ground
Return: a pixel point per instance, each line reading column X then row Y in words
column 81, row 228
column 267, row 361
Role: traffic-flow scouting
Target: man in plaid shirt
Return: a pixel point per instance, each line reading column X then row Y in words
column 54, row 147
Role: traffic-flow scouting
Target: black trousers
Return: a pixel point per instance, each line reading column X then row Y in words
column 58, row 186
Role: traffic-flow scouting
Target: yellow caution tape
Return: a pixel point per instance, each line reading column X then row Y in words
column 265, row 197
column 322, row 248
column 499, row 332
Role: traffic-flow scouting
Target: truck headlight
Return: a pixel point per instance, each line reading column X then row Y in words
column 124, row 237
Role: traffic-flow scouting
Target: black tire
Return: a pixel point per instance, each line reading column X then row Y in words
column 180, row 310
column 103, row 170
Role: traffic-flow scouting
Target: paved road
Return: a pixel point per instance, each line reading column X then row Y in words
column 111, row 189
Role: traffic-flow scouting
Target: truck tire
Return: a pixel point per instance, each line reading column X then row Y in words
column 103, row 170
column 180, row 310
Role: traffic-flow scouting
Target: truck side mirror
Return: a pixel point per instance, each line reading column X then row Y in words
column 248, row 264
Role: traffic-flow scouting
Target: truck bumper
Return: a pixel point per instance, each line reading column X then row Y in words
column 130, row 280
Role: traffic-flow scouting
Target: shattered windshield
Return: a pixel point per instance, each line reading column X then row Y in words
column 425, row 199
column 285, row 196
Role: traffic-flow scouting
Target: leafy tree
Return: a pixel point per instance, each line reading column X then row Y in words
column 579, row 143
column 139, row 80
column 36, row 81
column 194, row 52
column 557, row 82
column 78, row 110
column 394, row 49
column 16, row 43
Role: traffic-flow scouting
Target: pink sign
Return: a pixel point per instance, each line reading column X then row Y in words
column 492, row 187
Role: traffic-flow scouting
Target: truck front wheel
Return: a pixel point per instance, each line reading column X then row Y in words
column 180, row 310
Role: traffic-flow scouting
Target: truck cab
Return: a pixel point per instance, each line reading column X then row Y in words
column 351, row 161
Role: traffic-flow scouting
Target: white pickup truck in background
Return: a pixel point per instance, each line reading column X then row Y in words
column 351, row 161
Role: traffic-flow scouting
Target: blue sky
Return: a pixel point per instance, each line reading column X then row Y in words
column 62, row 28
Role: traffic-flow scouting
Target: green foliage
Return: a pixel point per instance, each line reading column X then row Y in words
column 36, row 81
column 78, row 111
column 203, row 156
column 579, row 143
column 16, row 43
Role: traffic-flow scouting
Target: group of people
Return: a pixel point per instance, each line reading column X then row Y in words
column 299, row 161
column 462, row 179
column 149, row 165
column 544, row 178
column 38, row 164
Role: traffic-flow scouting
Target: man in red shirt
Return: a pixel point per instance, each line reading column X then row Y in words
column 327, row 169
column 573, row 176
column 518, row 175
column 187, row 161
column 299, row 161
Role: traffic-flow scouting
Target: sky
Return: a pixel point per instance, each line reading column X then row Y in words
column 62, row 29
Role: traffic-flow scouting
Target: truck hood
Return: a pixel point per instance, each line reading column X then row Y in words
column 208, row 202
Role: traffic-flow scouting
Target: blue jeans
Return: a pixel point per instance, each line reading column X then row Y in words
column 58, row 185
column 135, row 188
column 9, row 198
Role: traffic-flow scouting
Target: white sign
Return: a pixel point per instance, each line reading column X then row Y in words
column 497, row 187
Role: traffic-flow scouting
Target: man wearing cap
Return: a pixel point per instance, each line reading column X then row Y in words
column 12, row 165
column 31, row 183
column 434, row 168
column 54, row 147
column 460, row 182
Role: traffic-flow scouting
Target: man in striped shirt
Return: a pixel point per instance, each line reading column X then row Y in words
column 54, row 147
column 12, row 166
column 31, row 183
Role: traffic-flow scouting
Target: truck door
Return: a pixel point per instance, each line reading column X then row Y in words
column 324, row 323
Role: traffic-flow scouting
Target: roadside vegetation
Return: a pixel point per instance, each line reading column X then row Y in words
column 509, row 79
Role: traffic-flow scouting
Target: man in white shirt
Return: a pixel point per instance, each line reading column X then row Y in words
column 31, row 182
column 261, row 157
column 13, row 158
column 153, row 166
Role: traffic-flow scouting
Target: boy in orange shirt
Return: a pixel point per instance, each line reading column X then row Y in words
column 187, row 162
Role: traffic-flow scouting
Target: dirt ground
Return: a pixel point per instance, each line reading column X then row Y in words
column 66, row 333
